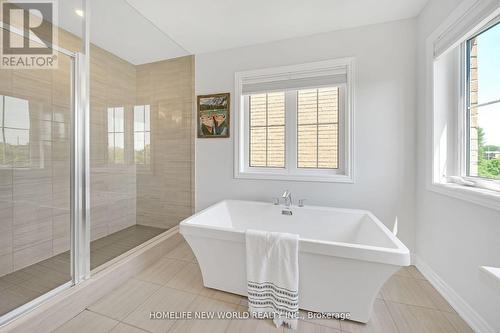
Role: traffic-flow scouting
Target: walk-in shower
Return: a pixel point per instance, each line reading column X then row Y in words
column 96, row 153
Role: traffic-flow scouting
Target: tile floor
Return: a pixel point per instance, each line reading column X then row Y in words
column 407, row 303
column 26, row 284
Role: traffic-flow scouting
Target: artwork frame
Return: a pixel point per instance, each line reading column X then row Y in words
column 214, row 116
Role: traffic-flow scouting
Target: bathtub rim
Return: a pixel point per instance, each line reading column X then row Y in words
column 399, row 255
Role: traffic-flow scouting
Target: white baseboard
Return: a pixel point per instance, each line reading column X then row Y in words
column 412, row 259
column 471, row 316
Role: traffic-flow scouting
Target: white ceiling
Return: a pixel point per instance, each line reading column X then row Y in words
column 204, row 26
column 142, row 31
column 119, row 28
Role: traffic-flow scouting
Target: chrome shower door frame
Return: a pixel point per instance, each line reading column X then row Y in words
column 79, row 170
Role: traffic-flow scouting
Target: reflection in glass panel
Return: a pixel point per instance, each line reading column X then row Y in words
column 147, row 117
column 139, row 118
column 111, row 122
column 119, row 120
column 147, row 147
column 111, row 147
column 15, row 126
column 119, row 148
column 116, row 135
column 142, row 134
column 16, row 113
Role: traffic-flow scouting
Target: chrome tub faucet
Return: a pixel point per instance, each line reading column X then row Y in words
column 287, row 196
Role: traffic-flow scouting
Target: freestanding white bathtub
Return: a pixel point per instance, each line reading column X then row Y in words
column 345, row 255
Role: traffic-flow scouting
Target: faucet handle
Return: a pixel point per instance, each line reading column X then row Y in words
column 301, row 202
column 276, row 201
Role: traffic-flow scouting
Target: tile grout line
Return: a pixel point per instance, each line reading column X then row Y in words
column 391, row 315
column 418, row 306
column 138, row 327
column 451, row 324
column 187, row 306
column 135, row 308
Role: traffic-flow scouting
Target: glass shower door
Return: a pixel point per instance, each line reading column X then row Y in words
column 35, row 182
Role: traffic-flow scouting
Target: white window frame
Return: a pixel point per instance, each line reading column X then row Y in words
column 447, row 117
column 345, row 171
column 479, row 182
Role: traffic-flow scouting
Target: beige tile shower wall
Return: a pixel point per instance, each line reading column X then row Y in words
column 34, row 190
column 165, row 188
column 113, row 184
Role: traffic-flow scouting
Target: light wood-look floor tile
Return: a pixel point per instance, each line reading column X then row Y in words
column 404, row 271
column 164, row 299
column 333, row 323
column 408, row 304
column 222, row 296
column 380, row 322
column 458, row 323
column 307, row 327
column 439, row 302
column 244, row 302
column 252, row 325
column 415, row 273
column 407, row 291
column 189, row 279
column 162, row 271
column 86, row 322
column 182, row 252
column 417, row 319
column 124, row 299
column 205, row 304
column 124, row 328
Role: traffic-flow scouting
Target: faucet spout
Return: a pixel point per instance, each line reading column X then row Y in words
column 287, row 195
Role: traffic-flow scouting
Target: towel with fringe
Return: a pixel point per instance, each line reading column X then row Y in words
column 273, row 276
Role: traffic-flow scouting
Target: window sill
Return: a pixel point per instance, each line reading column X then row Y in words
column 299, row 178
column 478, row 196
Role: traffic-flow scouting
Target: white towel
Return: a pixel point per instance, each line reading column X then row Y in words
column 273, row 276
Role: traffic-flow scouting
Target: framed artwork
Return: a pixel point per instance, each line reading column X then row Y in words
column 213, row 116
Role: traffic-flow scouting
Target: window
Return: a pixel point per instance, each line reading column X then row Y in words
column 464, row 65
column 483, row 104
column 116, row 135
column 142, row 135
column 317, row 128
column 294, row 122
column 267, row 130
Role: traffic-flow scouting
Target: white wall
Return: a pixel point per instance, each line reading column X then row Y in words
column 453, row 237
column 384, row 122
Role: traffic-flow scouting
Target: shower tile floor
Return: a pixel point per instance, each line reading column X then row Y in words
column 407, row 303
column 24, row 285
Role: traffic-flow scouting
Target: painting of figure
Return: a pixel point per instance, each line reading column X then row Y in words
column 213, row 116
